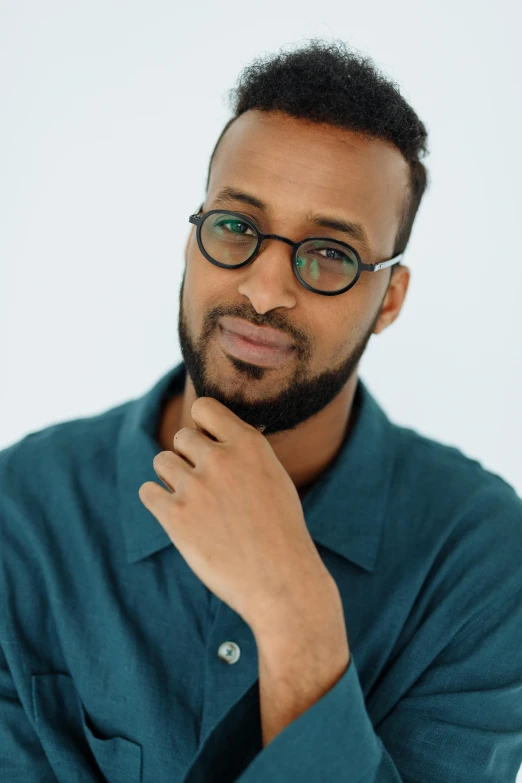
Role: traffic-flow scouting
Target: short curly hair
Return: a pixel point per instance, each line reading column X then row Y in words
column 325, row 82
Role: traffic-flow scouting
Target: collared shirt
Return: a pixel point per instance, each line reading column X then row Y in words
column 118, row 664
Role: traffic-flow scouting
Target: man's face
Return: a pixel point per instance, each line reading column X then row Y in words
column 296, row 168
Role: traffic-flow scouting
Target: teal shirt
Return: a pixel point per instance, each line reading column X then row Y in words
column 118, row 664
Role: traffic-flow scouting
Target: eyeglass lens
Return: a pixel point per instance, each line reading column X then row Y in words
column 323, row 264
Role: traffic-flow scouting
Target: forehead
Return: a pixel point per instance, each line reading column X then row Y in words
column 296, row 166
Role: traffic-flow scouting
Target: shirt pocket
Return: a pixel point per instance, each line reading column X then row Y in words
column 70, row 740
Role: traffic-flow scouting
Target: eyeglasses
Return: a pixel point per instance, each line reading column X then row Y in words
column 324, row 266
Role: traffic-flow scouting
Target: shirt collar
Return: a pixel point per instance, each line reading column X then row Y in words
column 344, row 509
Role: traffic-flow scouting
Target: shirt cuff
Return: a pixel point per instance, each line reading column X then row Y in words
column 332, row 740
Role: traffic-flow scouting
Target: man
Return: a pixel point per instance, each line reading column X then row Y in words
column 315, row 593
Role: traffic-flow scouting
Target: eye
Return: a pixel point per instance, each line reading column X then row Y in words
column 335, row 255
column 233, row 226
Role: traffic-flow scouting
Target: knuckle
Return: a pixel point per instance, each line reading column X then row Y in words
column 214, row 456
column 250, row 437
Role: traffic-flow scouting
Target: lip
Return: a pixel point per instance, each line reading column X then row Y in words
column 254, row 353
column 260, row 335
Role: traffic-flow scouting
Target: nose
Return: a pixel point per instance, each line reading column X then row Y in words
column 269, row 281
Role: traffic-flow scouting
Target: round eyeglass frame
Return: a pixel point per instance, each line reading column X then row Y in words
column 197, row 220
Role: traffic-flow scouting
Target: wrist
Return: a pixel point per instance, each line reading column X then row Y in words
column 312, row 609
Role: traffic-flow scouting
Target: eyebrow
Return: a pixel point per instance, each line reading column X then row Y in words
column 354, row 230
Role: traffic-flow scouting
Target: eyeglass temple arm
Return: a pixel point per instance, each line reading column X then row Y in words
column 383, row 264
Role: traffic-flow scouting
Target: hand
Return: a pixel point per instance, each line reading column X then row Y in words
column 235, row 514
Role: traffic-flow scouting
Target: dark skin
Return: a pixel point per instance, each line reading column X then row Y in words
column 294, row 167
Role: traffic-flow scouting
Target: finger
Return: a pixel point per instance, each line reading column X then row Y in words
column 170, row 468
column 192, row 445
column 160, row 504
column 155, row 498
column 218, row 420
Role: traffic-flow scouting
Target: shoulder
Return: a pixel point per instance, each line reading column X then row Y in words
column 448, row 477
column 46, row 471
column 468, row 518
column 60, row 446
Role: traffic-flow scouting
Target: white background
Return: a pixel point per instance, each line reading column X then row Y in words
column 109, row 115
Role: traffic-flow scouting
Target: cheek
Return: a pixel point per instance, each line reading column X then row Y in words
column 204, row 275
column 206, row 288
column 340, row 326
column 200, row 279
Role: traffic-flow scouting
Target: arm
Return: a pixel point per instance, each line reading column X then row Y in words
column 302, row 653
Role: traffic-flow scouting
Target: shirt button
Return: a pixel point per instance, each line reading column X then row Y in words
column 229, row 652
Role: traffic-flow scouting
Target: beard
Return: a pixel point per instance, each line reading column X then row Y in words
column 301, row 399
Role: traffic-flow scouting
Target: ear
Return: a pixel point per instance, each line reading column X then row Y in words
column 394, row 299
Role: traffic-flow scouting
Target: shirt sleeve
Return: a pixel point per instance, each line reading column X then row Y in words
column 460, row 723
column 22, row 757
